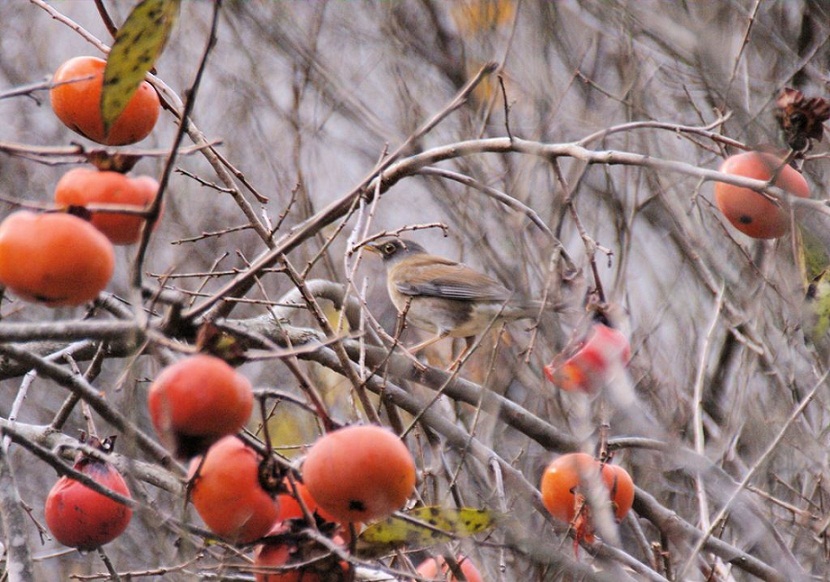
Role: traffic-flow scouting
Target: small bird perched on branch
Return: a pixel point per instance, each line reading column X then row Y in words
column 445, row 297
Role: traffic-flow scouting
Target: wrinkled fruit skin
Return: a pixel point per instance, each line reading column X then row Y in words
column 604, row 353
column 429, row 569
column 359, row 473
column 85, row 186
column 55, row 259
column 76, row 101
column 227, row 494
column 565, row 476
column 290, row 509
column 749, row 211
column 82, row 518
column 197, row 401
column 312, row 566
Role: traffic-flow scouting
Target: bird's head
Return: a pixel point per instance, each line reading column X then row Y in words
column 393, row 250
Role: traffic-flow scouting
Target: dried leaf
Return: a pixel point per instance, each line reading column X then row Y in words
column 801, row 119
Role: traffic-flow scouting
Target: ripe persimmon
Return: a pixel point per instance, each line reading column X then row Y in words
column 227, row 494
column 438, row 569
column 197, row 401
column 85, row 186
column 82, row 518
column 76, row 100
column 604, row 352
column 563, row 483
column 359, row 473
column 54, row 258
column 749, row 211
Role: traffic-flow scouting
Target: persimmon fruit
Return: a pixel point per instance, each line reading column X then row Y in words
column 82, row 518
column 89, row 186
column 439, row 569
column 298, row 558
column 227, row 494
column 604, row 353
column 54, row 258
column 749, row 211
column 290, row 507
column 564, row 481
column 359, row 473
column 197, row 401
column 76, row 100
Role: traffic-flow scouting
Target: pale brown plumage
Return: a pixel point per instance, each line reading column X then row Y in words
column 447, row 298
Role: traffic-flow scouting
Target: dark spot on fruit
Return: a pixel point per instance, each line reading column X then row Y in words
column 356, row 505
column 745, row 219
column 79, row 211
column 46, row 299
column 188, row 446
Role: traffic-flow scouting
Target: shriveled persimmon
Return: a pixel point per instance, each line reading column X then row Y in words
column 439, row 569
column 288, row 557
column 227, row 494
column 563, row 490
column 197, row 401
column 82, row 518
column 290, row 509
column 54, row 258
column 76, row 100
column 359, row 473
column 750, row 211
column 88, row 186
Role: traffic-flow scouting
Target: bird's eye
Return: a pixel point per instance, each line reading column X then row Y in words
column 389, row 248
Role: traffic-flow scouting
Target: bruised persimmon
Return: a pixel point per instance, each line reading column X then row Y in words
column 749, row 211
column 564, row 482
column 227, row 494
column 54, row 258
column 359, row 473
column 88, row 186
column 197, row 401
column 76, row 100
column 82, row 518
column 439, row 569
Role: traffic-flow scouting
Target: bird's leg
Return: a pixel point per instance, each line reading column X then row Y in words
column 399, row 327
column 469, row 342
column 425, row 344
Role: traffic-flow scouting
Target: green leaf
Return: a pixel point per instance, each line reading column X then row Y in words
column 424, row 526
column 138, row 44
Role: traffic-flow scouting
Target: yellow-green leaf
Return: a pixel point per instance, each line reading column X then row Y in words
column 813, row 257
column 138, row 44
column 425, row 526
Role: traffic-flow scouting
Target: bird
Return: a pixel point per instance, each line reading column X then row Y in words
column 443, row 296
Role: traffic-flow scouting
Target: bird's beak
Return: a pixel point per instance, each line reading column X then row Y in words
column 372, row 248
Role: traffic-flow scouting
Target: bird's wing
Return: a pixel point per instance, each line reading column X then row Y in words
column 438, row 277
